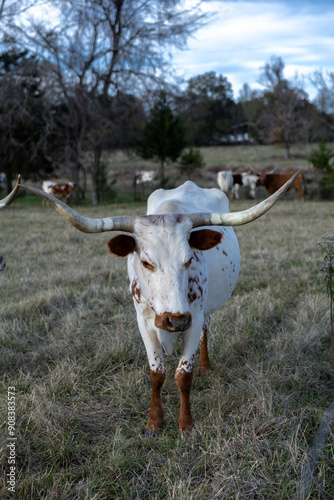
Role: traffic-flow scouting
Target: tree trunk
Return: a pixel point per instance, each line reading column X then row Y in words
column 95, row 173
column 287, row 150
column 79, row 193
column 162, row 170
column 9, row 181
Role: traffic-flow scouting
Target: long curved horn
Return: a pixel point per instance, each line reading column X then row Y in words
column 11, row 197
column 85, row 224
column 239, row 218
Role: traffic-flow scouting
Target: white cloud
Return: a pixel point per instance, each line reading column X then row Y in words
column 244, row 35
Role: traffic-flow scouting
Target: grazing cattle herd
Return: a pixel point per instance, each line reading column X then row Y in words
column 230, row 183
column 183, row 264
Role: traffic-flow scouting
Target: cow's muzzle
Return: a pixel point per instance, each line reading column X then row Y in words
column 173, row 322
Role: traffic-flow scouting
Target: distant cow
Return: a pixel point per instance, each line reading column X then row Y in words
column 230, row 183
column 61, row 189
column 225, row 182
column 272, row 182
column 244, row 180
column 144, row 177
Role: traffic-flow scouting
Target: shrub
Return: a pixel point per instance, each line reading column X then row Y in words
column 190, row 161
column 321, row 158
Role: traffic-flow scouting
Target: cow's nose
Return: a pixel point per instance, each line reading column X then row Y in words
column 171, row 322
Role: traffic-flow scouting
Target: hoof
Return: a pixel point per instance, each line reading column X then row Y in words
column 148, row 433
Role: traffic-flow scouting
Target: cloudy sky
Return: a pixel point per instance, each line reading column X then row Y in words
column 244, row 34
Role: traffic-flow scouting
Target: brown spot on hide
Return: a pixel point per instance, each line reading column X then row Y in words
column 136, row 291
column 121, row 245
column 196, row 257
column 192, row 296
column 204, row 239
column 195, row 290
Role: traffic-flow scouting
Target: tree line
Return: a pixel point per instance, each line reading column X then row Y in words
column 100, row 77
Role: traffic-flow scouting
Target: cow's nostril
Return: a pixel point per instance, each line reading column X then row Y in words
column 178, row 323
column 172, row 322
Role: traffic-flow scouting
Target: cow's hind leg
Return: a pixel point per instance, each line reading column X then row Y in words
column 204, row 361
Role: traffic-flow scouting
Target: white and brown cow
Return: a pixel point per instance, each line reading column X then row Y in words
column 230, row 183
column 144, row 176
column 183, row 264
column 58, row 189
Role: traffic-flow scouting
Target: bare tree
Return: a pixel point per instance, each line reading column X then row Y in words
column 282, row 106
column 13, row 8
column 324, row 83
column 25, row 118
column 100, row 48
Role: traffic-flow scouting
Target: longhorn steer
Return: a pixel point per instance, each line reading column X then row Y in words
column 272, row 182
column 245, row 180
column 62, row 189
column 230, row 183
column 181, row 270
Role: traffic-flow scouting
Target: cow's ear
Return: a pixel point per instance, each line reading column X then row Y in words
column 122, row 245
column 204, row 239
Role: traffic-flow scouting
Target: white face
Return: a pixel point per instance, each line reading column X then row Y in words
column 168, row 271
column 162, row 262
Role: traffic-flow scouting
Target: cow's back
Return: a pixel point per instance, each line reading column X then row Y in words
column 188, row 198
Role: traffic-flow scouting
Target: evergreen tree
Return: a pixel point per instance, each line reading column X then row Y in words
column 322, row 159
column 163, row 136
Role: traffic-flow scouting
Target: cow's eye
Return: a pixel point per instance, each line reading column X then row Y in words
column 147, row 265
column 187, row 264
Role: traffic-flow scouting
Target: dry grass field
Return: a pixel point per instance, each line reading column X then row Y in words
column 70, row 346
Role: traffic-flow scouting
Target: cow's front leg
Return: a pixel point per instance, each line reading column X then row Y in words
column 184, row 374
column 184, row 379
column 156, row 415
column 157, row 375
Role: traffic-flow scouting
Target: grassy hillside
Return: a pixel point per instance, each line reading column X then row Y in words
column 122, row 165
column 70, row 347
column 121, row 168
